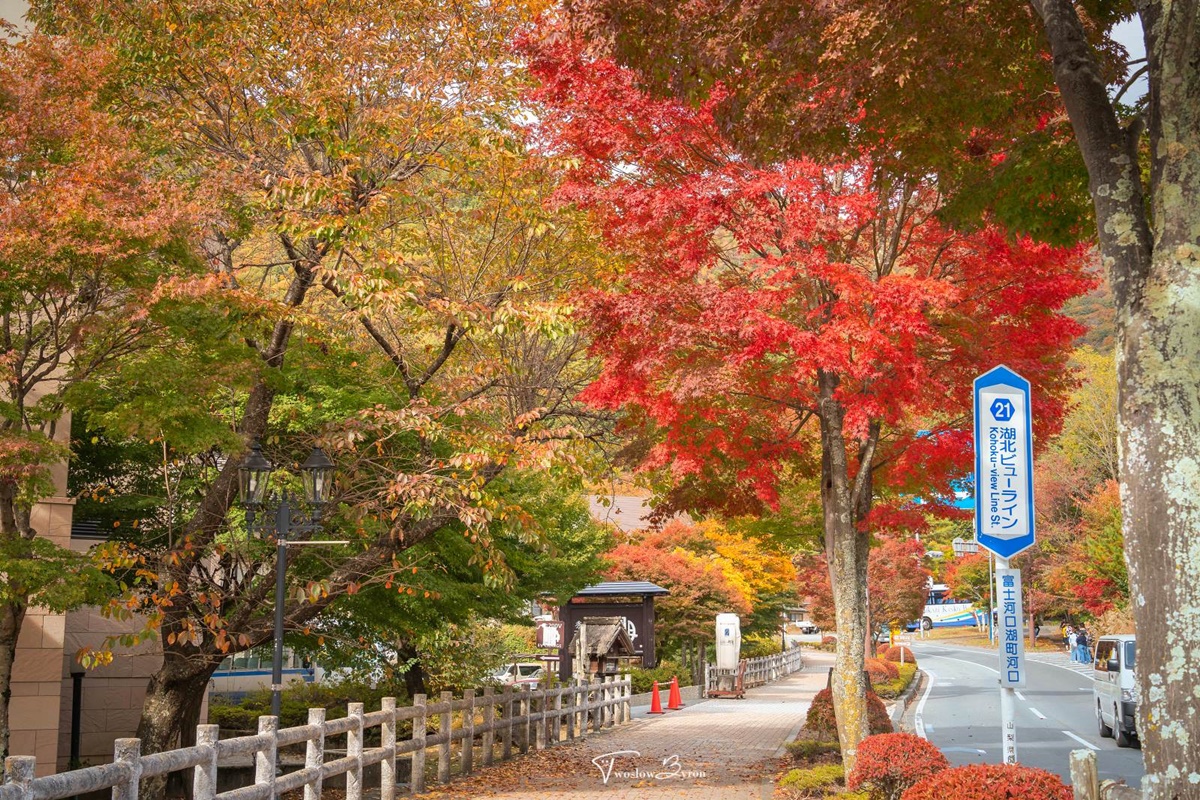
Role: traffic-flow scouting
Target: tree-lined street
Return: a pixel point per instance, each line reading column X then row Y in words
column 959, row 712
column 814, row 283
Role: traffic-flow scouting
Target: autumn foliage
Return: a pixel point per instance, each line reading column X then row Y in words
column 821, row 722
column 889, row 763
column 896, row 577
column 881, row 671
column 990, row 782
column 898, row 654
column 708, row 569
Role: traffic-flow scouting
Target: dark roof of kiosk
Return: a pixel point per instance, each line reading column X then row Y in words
column 603, row 635
column 621, row 588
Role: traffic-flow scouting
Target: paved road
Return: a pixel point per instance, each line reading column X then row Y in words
column 960, row 712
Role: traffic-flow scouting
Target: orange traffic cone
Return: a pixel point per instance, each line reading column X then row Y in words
column 674, row 699
column 655, row 702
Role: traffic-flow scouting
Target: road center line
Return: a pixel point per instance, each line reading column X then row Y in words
column 1082, row 741
column 1036, row 713
column 918, row 721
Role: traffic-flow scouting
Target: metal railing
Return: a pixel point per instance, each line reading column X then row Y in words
column 518, row 717
column 759, row 671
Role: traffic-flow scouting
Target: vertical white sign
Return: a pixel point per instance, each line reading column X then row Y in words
column 1004, row 485
column 1012, row 643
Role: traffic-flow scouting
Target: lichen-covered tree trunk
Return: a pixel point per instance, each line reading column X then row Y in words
column 1159, row 365
column 1155, row 273
column 846, row 550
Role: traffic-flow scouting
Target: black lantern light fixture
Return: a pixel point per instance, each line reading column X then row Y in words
column 254, row 473
column 253, row 476
column 316, row 473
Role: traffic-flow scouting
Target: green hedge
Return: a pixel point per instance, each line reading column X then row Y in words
column 643, row 679
column 756, row 645
column 297, row 699
column 895, row 687
column 807, row 781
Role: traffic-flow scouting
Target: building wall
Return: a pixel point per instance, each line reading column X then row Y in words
column 36, row 684
column 112, row 695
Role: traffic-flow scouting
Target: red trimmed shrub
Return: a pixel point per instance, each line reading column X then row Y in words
column 827, row 639
column 881, row 671
column 822, row 724
column 889, row 763
column 893, row 654
column 990, row 782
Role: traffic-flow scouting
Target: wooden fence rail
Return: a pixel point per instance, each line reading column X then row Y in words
column 532, row 719
column 759, row 671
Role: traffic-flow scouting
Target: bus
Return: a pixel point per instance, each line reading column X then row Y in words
column 944, row 611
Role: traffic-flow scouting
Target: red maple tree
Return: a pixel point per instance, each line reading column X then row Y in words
column 793, row 318
column 898, row 583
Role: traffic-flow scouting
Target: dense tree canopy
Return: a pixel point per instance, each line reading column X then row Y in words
column 793, row 316
column 382, row 277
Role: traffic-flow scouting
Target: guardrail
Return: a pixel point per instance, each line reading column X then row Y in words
column 759, row 671
column 525, row 719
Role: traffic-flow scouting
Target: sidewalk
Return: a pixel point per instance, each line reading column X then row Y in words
column 714, row 750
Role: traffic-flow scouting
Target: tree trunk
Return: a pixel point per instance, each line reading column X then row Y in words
column 12, row 615
column 1156, row 284
column 172, row 708
column 414, row 675
column 846, row 550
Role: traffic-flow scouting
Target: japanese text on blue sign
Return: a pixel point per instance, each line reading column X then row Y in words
column 1008, row 631
column 1004, row 483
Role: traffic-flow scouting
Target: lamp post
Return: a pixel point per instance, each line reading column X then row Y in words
column 253, row 475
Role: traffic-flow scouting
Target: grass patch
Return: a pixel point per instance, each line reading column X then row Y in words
column 812, row 782
column 806, row 750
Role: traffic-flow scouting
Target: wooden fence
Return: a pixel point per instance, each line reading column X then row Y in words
column 1085, row 785
column 759, row 671
column 516, row 718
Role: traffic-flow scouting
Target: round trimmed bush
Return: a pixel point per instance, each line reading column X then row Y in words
column 990, row 782
column 894, row 652
column 881, row 671
column 821, row 722
column 889, row 763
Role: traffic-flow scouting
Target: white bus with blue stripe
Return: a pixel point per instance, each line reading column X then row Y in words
column 943, row 611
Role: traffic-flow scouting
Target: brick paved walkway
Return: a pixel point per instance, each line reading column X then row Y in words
column 714, row 750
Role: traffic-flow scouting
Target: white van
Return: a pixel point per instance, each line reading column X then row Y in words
column 1113, row 687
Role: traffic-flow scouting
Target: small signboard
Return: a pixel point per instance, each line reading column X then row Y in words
column 964, row 548
column 550, row 634
column 1012, row 643
column 1004, row 521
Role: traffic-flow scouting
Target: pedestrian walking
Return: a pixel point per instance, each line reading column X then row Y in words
column 1072, row 643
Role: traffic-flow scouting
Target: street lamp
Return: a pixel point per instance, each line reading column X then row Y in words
column 253, row 475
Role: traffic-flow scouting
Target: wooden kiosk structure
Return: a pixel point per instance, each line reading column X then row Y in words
column 630, row 602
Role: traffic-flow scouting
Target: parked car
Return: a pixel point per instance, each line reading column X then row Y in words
column 807, row 627
column 1113, row 687
column 518, row 672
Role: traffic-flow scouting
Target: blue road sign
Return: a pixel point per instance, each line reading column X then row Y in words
column 1004, row 522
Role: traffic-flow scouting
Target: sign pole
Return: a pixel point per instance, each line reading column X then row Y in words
column 1004, row 520
column 1008, row 702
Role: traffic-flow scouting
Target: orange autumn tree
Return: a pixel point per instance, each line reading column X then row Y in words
column 791, row 317
column 86, row 236
column 394, row 291
column 709, row 568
